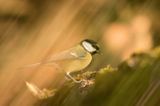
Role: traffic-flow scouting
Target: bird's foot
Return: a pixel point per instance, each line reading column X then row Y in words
column 86, row 82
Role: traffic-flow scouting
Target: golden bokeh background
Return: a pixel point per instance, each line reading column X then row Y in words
column 33, row 30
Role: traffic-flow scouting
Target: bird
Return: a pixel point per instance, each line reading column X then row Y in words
column 74, row 59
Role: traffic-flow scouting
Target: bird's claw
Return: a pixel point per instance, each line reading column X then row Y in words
column 85, row 83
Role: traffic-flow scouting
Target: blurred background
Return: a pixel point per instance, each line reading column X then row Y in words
column 33, row 30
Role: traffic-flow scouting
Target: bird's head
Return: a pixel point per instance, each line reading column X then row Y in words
column 90, row 46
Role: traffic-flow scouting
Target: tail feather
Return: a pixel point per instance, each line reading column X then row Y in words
column 32, row 65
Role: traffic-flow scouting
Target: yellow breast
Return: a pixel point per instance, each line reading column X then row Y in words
column 77, row 64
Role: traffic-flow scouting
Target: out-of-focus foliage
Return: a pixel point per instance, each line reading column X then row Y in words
column 134, row 83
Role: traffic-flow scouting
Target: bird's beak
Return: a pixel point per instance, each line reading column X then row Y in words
column 99, row 52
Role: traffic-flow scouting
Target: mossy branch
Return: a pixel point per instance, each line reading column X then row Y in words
column 134, row 82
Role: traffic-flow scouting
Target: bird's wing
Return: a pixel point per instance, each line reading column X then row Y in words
column 73, row 53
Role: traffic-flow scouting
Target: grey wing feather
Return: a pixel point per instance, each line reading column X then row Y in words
column 68, row 54
column 65, row 55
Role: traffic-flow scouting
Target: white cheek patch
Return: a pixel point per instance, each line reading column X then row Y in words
column 88, row 47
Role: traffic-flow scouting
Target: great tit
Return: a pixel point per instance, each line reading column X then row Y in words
column 73, row 60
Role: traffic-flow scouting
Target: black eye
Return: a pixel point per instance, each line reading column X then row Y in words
column 96, row 47
column 93, row 43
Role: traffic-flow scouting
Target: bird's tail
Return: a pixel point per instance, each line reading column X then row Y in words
column 33, row 65
column 39, row 64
